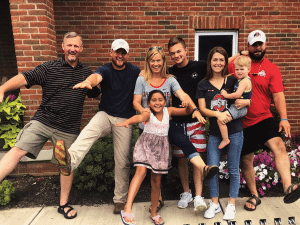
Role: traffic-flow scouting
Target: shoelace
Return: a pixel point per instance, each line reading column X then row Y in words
column 184, row 195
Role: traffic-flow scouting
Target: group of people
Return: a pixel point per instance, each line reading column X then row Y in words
column 171, row 105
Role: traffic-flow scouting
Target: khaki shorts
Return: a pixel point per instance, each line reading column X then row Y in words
column 34, row 135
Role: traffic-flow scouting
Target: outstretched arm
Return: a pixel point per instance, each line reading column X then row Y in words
column 90, row 82
column 135, row 119
column 12, row 84
column 173, row 111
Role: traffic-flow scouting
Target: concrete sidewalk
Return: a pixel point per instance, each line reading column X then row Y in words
column 89, row 215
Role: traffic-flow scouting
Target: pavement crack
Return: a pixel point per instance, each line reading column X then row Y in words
column 36, row 215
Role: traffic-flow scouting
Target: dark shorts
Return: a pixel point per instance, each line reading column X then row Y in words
column 257, row 135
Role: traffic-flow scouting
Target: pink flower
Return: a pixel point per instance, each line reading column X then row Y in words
column 268, row 185
column 273, row 183
column 256, row 178
column 262, row 193
column 12, row 97
column 263, row 184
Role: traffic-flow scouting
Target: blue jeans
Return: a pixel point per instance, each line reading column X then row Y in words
column 233, row 161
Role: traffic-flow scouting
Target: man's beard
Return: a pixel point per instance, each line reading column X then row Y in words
column 257, row 58
column 114, row 61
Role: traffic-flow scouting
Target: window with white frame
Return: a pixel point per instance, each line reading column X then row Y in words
column 206, row 40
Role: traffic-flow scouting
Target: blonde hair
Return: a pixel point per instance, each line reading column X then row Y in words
column 150, row 54
column 243, row 61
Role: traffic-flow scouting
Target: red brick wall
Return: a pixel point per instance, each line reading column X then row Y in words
column 145, row 23
column 36, row 169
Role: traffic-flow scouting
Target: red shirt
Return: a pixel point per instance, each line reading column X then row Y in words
column 267, row 81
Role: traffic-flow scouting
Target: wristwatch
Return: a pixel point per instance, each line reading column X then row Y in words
column 195, row 109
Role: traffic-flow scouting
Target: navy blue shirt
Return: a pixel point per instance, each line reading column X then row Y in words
column 216, row 102
column 117, row 89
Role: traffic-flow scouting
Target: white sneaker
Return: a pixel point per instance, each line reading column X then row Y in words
column 185, row 199
column 199, row 204
column 229, row 212
column 212, row 210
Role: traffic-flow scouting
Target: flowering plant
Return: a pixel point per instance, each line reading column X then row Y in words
column 11, row 109
column 266, row 175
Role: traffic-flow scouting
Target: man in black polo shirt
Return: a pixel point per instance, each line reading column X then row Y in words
column 58, row 116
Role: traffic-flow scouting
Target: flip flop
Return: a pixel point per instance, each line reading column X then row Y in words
column 156, row 218
column 258, row 201
column 129, row 215
column 62, row 156
column 292, row 195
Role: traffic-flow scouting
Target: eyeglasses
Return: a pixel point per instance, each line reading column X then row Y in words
column 157, row 47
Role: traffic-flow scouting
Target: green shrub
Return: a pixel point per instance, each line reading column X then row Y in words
column 96, row 172
column 11, row 109
column 6, row 192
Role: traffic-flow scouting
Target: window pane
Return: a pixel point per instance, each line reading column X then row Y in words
column 207, row 42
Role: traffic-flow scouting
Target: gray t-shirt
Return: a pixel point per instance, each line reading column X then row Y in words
column 143, row 88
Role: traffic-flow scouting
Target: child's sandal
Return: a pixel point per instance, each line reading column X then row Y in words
column 61, row 210
column 128, row 215
column 156, row 218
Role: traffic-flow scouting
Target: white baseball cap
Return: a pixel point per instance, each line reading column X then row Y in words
column 120, row 43
column 256, row 36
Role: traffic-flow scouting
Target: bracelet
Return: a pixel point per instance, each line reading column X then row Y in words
column 195, row 109
column 240, row 52
column 87, row 81
column 284, row 120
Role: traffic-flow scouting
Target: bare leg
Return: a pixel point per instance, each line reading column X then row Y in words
column 197, row 181
column 224, row 134
column 65, row 186
column 198, row 163
column 249, row 175
column 134, row 187
column 183, row 171
column 155, row 191
column 281, row 159
column 232, row 200
column 215, row 200
column 10, row 161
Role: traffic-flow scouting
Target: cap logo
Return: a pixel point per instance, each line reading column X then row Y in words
column 257, row 34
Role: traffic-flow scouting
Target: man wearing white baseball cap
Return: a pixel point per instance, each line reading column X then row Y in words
column 117, row 85
column 261, row 130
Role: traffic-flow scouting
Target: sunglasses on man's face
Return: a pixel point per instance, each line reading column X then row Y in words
column 155, row 47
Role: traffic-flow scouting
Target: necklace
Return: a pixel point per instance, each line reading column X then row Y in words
column 254, row 74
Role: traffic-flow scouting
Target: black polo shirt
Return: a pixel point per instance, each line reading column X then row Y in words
column 61, row 106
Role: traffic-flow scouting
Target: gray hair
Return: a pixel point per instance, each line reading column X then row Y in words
column 72, row 35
